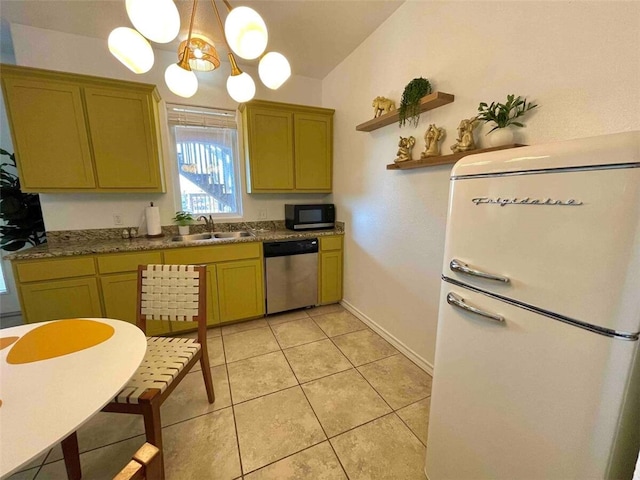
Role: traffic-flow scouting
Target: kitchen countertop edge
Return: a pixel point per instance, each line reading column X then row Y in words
column 147, row 244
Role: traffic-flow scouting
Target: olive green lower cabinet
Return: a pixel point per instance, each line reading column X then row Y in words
column 330, row 270
column 51, row 289
column 234, row 278
column 106, row 285
column 240, row 289
column 119, row 287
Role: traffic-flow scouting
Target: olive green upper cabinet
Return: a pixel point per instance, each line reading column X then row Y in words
column 75, row 133
column 288, row 148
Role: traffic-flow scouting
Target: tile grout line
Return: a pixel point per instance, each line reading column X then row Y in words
column 299, row 384
column 312, row 409
column 374, row 389
column 233, row 411
column 287, row 456
column 359, row 373
column 41, row 466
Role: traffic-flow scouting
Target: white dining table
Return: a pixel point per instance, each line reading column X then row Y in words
column 45, row 400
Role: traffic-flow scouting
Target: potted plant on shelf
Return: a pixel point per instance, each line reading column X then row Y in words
column 20, row 212
column 410, row 102
column 504, row 115
column 183, row 220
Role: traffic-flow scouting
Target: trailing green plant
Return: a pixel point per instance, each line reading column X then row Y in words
column 20, row 212
column 183, row 219
column 504, row 114
column 410, row 103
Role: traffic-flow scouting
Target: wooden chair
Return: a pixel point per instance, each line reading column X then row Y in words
column 146, row 464
column 166, row 292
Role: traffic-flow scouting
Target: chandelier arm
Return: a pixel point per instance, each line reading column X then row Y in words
column 235, row 70
column 193, row 16
column 184, row 61
column 229, row 7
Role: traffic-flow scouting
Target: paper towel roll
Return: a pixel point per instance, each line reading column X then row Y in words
column 152, row 214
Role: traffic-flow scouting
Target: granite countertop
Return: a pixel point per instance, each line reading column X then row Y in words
column 86, row 243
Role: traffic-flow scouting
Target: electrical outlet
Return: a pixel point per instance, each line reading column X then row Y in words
column 117, row 219
column 262, row 214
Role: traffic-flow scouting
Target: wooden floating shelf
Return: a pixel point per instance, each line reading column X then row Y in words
column 428, row 102
column 445, row 159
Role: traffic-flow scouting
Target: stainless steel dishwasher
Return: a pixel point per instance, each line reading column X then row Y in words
column 291, row 274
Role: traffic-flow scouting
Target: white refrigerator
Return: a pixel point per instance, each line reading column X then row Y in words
column 536, row 371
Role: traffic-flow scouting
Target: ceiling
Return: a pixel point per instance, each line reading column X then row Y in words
column 315, row 35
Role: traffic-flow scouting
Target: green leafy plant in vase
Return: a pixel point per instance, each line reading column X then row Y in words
column 20, row 212
column 183, row 220
column 410, row 103
column 504, row 115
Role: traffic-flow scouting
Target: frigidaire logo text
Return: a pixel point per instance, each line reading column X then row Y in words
column 525, row 201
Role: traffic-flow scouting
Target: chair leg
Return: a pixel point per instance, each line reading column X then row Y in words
column 206, row 373
column 153, row 425
column 71, row 454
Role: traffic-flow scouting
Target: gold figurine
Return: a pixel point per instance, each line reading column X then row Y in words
column 432, row 138
column 465, row 141
column 382, row 105
column 405, row 146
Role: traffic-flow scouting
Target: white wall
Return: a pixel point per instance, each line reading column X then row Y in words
column 579, row 60
column 48, row 49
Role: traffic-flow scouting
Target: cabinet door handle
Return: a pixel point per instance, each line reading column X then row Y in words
column 458, row 266
column 458, row 302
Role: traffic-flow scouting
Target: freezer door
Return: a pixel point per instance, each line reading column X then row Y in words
column 567, row 242
column 528, row 397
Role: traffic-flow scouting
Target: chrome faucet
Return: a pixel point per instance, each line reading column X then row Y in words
column 208, row 222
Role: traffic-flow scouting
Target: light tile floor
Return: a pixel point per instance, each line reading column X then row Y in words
column 309, row 394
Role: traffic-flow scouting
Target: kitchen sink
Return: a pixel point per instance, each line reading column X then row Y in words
column 232, row 234
column 191, row 238
column 208, row 236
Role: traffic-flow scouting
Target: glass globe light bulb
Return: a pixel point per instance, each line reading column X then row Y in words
column 246, row 32
column 241, row 87
column 180, row 81
column 131, row 49
column 158, row 20
column 274, row 70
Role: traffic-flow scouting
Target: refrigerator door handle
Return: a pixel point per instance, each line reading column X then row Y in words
column 458, row 266
column 458, row 302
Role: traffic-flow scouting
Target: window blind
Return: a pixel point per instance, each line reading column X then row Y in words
column 201, row 117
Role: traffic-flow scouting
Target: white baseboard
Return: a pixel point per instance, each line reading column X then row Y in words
column 413, row 356
column 11, row 320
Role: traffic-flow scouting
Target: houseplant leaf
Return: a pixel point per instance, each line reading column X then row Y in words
column 21, row 212
column 410, row 102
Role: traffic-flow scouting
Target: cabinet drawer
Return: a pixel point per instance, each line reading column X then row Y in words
column 127, row 262
column 212, row 254
column 52, row 269
column 333, row 242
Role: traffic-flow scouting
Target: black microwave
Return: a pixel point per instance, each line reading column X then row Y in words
column 310, row 217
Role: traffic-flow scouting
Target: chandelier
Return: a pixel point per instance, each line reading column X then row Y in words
column 244, row 34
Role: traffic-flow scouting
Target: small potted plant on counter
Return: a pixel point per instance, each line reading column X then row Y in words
column 504, row 115
column 183, row 220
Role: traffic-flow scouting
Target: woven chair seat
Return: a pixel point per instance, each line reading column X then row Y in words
column 164, row 360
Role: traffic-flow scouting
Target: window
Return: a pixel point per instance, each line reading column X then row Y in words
column 207, row 156
column 3, row 285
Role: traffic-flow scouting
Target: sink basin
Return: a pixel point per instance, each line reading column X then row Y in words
column 231, row 234
column 208, row 236
column 191, row 238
